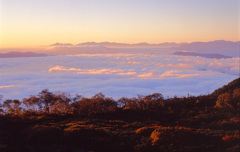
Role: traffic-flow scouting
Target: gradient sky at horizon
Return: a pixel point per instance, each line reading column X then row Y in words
column 33, row 23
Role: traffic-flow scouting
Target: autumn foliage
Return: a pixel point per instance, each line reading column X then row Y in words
column 57, row 121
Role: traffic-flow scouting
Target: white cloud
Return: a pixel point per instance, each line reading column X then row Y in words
column 9, row 86
column 178, row 74
column 146, row 75
column 116, row 75
column 100, row 71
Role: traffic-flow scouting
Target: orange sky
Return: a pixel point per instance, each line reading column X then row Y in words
column 30, row 23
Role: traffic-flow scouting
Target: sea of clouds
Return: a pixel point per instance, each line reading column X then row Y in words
column 115, row 75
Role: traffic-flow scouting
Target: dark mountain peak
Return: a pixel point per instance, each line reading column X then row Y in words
column 228, row 88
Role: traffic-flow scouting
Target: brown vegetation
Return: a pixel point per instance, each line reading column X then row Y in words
column 58, row 122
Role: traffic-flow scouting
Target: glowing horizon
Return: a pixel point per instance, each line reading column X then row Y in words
column 29, row 24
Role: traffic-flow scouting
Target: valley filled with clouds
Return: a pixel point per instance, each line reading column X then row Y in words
column 116, row 74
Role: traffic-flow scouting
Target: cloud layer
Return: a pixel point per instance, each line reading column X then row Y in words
column 116, row 75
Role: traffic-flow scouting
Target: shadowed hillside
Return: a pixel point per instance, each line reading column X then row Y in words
column 228, row 88
column 57, row 122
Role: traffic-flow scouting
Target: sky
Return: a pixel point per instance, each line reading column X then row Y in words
column 34, row 23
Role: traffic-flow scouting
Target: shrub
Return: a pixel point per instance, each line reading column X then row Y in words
column 224, row 100
column 231, row 138
column 44, row 134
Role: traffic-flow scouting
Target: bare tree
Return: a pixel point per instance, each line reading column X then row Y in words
column 47, row 99
column 12, row 106
column 32, row 103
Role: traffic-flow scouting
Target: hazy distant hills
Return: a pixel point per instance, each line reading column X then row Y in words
column 21, row 54
column 212, row 49
column 216, row 56
column 125, row 45
column 226, row 48
column 117, row 45
column 219, row 45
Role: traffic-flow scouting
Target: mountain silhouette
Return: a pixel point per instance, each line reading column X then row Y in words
column 215, row 56
column 21, row 54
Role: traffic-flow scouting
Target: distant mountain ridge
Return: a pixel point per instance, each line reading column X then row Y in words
column 215, row 56
column 217, row 49
column 218, row 45
column 21, row 54
column 116, row 45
